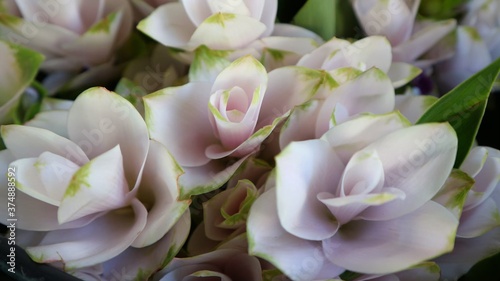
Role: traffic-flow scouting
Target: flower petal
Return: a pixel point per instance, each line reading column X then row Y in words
column 160, row 192
column 423, row 40
column 299, row 259
column 54, row 121
column 27, row 142
column 388, row 246
column 44, row 178
column 352, row 136
column 297, row 185
column 292, row 86
column 371, row 92
column 467, row 252
column 110, row 120
column 479, row 220
column 232, row 31
column 413, row 106
column 203, row 179
column 170, row 111
column 402, row 73
column 97, row 186
column 392, row 18
column 301, row 124
column 141, row 263
column 171, row 17
column 103, row 239
column 416, row 160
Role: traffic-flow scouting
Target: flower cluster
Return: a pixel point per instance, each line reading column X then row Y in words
column 217, row 139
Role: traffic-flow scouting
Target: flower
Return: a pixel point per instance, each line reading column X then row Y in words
column 222, row 264
column 212, row 127
column 235, row 27
column 71, row 34
column 16, row 73
column 217, row 24
column 478, row 234
column 465, row 41
column 372, row 51
column 484, row 15
column 89, row 197
column 359, row 199
column 410, row 38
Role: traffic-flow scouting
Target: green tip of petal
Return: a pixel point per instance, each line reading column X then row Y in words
column 79, row 179
column 220, row 18
column 104, row 25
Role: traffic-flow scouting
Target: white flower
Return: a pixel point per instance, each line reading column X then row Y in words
column 87, row 198
column 71, row 34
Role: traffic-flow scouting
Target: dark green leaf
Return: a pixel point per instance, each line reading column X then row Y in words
column 463, row 107
column 327, row 18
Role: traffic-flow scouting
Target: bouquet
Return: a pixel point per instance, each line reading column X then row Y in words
column 258, row 140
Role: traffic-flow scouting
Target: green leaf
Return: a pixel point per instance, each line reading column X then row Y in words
column 327, row 18
column 463, row 107
column 17, row 70
column 443, row 9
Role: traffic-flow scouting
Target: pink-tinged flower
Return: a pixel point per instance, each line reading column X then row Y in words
column 359, row 198
column 91, row 196
column 236, row 27
column 18, row 68
column 413, row 105
column 222, row 264
column 212, row 127
column 465, row 41
column 484, row 15
column 224, row 217
column 71, row 34
column 372, row 51
column 336, row 96
column 410, row 38
column 218, row 24
column 478, row 234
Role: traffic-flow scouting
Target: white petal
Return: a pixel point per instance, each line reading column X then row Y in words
column 54, row 121
column 416, row 160
column 479, row 220
column 402, row 73
column 299, row 259
column 25, row 142
column 159, row 192
column 391, row 18
column 168, row 24
column 97, row 186
column 170, row 111
column 110, row 120
column 44, row 178
column 422, row 41
column 388, row 246
column 300, row 125
column 231, row 32
column 303, row 170
column 413, row 106
column 103, row 239
column 352, row 136
column 292, row 86
column 203, row 179
column 140, row 263
column 370, row 92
